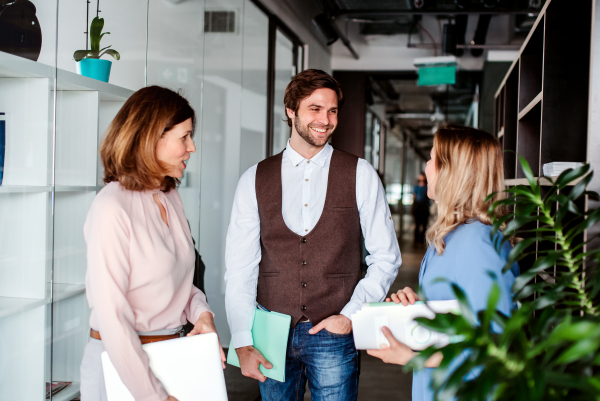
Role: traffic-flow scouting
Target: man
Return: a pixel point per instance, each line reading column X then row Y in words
column 294, row 246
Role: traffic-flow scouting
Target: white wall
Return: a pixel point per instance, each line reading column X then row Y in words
column 125, row 20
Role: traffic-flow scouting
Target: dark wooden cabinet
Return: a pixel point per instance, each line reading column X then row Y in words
column 542, row 104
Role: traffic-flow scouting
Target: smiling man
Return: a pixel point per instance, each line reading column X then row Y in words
column 294, row 247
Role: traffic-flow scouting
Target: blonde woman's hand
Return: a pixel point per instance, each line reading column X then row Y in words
column 399, row 353
column 396, row 353
column 206, row 324
column 406, row 296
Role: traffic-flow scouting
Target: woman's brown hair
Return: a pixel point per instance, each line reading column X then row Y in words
column 304, row 84
column 128, row 150
column 469, row 167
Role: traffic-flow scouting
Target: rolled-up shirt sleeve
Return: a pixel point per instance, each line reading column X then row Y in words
column 380, row 240
column 107, row 282
column 242, row 257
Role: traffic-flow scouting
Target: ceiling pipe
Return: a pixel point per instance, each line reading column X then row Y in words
column 481, row 32
column 492, row 47
column 327, row 33
column 343, row 37
column 460, row 30
column 391, row 13
column 327, row 20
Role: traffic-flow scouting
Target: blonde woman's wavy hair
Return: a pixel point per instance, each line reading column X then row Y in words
column 469, row 167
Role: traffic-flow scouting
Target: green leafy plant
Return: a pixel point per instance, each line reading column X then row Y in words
column 548, row 349
column 95, row 37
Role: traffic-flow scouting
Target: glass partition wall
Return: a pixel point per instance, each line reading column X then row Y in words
column 225, row 97
column 288, row 59
column 246, row 71
column 231, row 59
column 285, row 69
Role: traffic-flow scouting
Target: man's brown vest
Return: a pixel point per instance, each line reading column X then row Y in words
column 312, row 275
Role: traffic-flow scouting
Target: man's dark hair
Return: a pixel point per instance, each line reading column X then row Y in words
column 304, row 84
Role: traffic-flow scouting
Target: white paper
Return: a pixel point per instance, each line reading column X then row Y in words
column 400, row 319
column 556, row 168
column 381, row 321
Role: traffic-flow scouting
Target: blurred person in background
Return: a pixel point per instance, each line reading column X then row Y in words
column 420, row 208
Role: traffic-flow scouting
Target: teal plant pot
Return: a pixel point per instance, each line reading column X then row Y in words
column 94, row 68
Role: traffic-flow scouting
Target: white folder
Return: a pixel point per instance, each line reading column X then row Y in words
column 368, row 321
column 190, row 368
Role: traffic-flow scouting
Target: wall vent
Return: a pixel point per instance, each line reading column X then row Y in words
column 219, row 21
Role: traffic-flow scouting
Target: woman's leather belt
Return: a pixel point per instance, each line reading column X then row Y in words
column 143, row 339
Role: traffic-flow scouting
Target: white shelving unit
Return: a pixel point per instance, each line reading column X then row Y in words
column 52, row 173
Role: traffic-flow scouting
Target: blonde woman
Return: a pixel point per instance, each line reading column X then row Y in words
column 465, row 167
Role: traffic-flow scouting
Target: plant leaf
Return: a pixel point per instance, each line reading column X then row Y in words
column 530, row 289
column 80, row 54
column 101, row 36
column 529, row 175
column 95, row 31
column 569, row 175
column 516, row 252
column 580, row 187
column 493, row 299
column 592, row 195
column 547, row 300
column 113, row 53
column 517, row 223
column 465, row 307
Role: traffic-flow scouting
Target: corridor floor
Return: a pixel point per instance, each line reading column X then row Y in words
column 378, row 381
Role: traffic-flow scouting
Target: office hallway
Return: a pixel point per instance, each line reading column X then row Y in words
column 378, row 381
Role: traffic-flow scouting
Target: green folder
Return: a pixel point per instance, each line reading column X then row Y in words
column 270, row 332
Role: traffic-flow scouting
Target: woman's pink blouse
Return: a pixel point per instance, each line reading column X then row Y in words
column 139, row 277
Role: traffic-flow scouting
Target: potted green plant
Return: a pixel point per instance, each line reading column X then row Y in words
column 89, row 63
column 548, row 349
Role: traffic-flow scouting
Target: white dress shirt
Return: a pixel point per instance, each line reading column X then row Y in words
column 304, row 187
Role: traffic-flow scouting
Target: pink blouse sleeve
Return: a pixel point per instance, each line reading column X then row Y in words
column 196, row 306
column 107, row 231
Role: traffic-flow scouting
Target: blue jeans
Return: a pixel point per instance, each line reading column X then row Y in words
column 329, row 362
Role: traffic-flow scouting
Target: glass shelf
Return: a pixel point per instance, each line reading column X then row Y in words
column 12, row 305
column 65, row 291
column 18, row 67
column 20, row 189
column 68, row 393
column 77, row 188
column 543, row 181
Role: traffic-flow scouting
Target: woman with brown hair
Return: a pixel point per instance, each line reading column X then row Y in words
column 466, row 166
column 139, row 248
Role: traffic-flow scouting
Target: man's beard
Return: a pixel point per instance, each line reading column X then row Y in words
column 305, row 133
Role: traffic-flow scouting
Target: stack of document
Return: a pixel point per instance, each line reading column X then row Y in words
column 554, row 169
column 368, row 321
